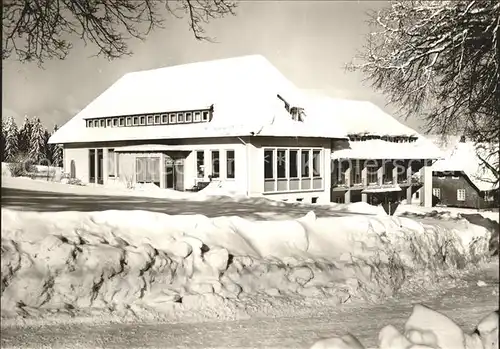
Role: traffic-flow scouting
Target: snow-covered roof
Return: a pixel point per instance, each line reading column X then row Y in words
column 242, row 90
column 357, row 117
column 462, row 157
column 380, row 149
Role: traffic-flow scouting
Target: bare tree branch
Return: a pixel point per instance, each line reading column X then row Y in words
column 438, row 61
column 37, row 30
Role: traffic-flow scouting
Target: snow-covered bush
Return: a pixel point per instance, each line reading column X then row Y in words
column 21, row 166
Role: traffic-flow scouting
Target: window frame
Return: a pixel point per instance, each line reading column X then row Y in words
column 180, row 118
column 230, row 164
column 128, row 121
column 197, row 116
column 164, row 119
column 212, row 159
column 109, row 123
column 172, row 118
column 205, row 116
column 142, row 120
column 188, row 115
column 150, row 120
column 157, row 117
column 200, row 169
column 292, row 180
column 115, row 122
column 90, row 123
column 459, row 196
column 121, row 122
column 135, row 121
column 436, row 192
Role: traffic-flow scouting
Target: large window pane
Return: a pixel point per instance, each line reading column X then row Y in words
column 316, row 163
column 281, row 163
column 230, row 164
column 305, row 163
column 294, row 163
column 200, row 164
column 268, row 164
column 215, row 164
column 111, row 163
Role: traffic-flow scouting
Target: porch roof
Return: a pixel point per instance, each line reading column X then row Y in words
column 379, row 149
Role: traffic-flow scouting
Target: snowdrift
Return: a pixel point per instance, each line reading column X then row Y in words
column 425, row 328
column 143, row 264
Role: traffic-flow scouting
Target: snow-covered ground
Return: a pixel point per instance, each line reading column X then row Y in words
column 444, row 212
column 145, row 265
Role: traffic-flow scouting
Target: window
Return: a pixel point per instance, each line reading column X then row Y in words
column 436, row 192
column 122, row 122
column 281, row 163
column 164, row 119
column 461, row 194
column 372, row 174
column 316, row 163
column 147, row 170
column 305, row 163
column 115, row 122
column 151, row 119
column 215, row 164
column 142, row 120
column 136, row 120
column 111, row 163
column 157, row 119
column 200, row 164
column 189, row 117
column 102, row 123
column 108, row 122
column 180, row 117
column 293, row 170
column 268, row 164
column 417, row 194
column 388, row 167
column 90, row 123
column 402, row 169
column 129, row 121
column 230, row 165
column 96, row 123
column 205, row 116
column 172, row 119
column 357, row 166
column 197, row 116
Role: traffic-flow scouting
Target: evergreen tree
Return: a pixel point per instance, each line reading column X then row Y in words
column 24, row 136
column 57, row 152
column 37, row 149
column 49, row 148
column 11, row 134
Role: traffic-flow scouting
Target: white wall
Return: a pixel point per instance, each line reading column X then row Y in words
column 81, row 158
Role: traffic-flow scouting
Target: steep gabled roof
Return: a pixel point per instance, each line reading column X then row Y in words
column 462, row 157
column 242, row 90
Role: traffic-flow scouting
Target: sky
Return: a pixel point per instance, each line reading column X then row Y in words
column 308, row 41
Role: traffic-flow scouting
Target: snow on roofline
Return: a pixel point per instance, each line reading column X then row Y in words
column 243, row 90
column 377, row 149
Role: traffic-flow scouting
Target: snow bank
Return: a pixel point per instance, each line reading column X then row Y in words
column 150, row 264
column 425, row 328
column 444, row 212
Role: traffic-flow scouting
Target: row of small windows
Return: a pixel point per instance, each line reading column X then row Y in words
column 149, row 120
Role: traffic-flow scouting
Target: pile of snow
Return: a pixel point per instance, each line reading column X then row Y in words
column 5, row 170
column 425, row 328
column 143, row 264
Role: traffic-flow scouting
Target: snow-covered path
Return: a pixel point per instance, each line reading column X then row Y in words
column 466, row 305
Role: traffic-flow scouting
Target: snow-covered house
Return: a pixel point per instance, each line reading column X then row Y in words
column 460, row 179
column 237, row 121
column 383, row 160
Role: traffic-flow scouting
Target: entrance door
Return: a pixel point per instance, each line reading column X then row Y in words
column 169, row 173
column 147, row 170
column 179, row 174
